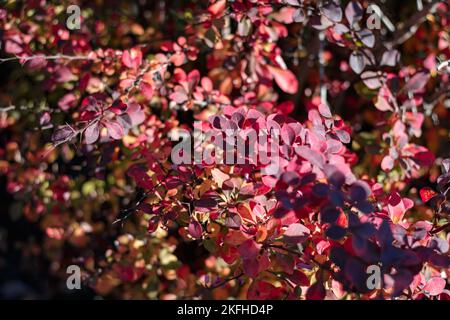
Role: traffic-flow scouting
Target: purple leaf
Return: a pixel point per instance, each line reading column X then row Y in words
column 195, row 229
column 337, row 198
column 343, row 135
column 233, row 221
column 62, row 134
column 399, row 281
column 336, row 178
column 336, row 232
column 371, row 79
column 324, row 110
column 297, row 232
column 115, row 129
column 356, row 273
column 320, row 22
column 353, row 12
column 339, row 256
column 329, row 214
column 45, row 119
column 357, row 62
column 446, row 165
column 312, row 156
column 135, row 113
column 205, row 205
column 332, row 11
column 439, row 244
column 365, row 207
column 390, row 58
column 417, row 82
column 366, row 36
column 91, row 133
column 340, row 28
column 320, row 189
column 299, row 15
column 359, row 191
column 291, row 178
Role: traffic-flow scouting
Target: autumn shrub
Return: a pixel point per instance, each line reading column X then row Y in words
column 344, row 198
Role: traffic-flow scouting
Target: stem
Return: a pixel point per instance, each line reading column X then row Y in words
column 441, row 228
column 225, row 281
column 54, row 57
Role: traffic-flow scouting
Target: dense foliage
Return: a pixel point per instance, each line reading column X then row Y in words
column 356, row 109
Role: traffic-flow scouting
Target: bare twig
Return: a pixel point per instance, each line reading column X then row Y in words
column 52, row 57
column 441, row 228
column 220, row 284
column 410, row 27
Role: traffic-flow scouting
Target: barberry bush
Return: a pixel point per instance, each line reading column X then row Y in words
column 346, row 198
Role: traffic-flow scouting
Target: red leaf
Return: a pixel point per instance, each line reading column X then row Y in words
column 67, row 101
column 435, row 286
column 297, row 232
column 312, row 156
column 285, row 15
column 285, row 79
column 146, row 89
column 115, row 129
column 286, row 107
column 132, row 58
column 249, row 250
column 217, row 7
column 426, row 194
column 135, row 113
column 382, row 104
column 219, row 177
column 195, row 229
column 316, row 292
column 387, row 163
column 424, row 158
column 299, row 278
column 287, row 134
column 153, row 224
column 118, row 107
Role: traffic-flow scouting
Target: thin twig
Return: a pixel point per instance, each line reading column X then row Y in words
column 441, row 228
column 53, row 57
column 411, row 26
column 220, row 284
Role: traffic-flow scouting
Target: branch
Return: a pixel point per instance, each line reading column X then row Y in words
column 6, row 109
column 53, row 57
column 410, row 27
column 441, row 228
column 225, row 281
